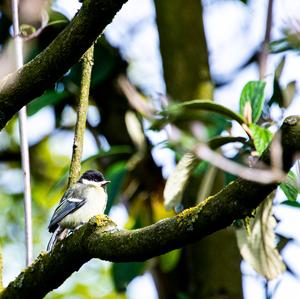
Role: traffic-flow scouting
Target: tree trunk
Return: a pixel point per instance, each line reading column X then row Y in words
column 183, row 49
column 211, row 267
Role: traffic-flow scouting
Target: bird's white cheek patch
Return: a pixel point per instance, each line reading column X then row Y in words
column 91, row 183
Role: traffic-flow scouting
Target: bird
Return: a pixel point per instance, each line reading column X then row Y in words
column 83, row 200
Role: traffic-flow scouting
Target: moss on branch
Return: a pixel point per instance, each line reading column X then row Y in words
column 19, row 88
column 100, row 238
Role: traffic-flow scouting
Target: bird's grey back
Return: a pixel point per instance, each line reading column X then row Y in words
column 66, row 205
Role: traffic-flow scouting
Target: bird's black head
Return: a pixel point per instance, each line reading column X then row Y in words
column 92, row 175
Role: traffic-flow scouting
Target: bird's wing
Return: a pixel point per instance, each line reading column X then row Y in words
column 69, row 203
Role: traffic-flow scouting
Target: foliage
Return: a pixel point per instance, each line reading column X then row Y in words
column 290, row 41
column 252, row 100
column 261, row 137
column 290, row 187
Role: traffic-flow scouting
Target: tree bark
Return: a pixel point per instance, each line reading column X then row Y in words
column 183, row 49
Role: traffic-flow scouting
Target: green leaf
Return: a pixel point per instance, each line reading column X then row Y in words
column 50, row 97
column 253, row 94
column 105, row 64
column 290, row 41
column 116, row 173
column 291, row 203
column 280, row 45
column 282, row 96
column 190, row 111
column 217, row 142
column 277, row 96
column 290, row 187
column 58, row 22
column 123, row 273
column 210, row 106
column 169, row 260
column 114, row 150
column 261, row 137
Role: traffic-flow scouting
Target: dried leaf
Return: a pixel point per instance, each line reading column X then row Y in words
column 279, row 68
column 219, row 141
column 289, row 93
column 178, row 180
column 189, row 111
column 135, row 130
column 259, row 248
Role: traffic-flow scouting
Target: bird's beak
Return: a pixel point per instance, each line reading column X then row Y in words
column 104, row 183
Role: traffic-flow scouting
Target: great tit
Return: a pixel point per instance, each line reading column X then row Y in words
column 85, row 199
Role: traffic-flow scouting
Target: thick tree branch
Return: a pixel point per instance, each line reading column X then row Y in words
column 101, row 239
column 19, row 88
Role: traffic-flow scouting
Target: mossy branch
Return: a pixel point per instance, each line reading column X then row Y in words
column 87, row 65
column 19, row 88
column 101, row 239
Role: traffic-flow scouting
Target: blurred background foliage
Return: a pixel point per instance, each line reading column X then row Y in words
column 126, row 155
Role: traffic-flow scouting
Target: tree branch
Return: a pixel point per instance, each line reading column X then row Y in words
column 101, row 239
column 83, row 104
column 19, row 88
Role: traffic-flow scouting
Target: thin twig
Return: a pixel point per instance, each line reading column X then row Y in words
column 23, row 139
column 263, row 57
column 276, row 152
column 87, row 65
column 255, row 175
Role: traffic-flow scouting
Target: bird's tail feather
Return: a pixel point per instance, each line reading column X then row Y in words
column 53, row 239
column 59, row 234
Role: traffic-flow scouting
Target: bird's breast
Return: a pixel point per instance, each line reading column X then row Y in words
column 96, row 199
